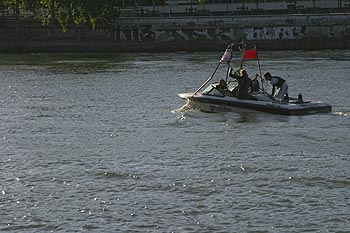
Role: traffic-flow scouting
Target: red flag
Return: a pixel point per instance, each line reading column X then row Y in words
column 250, row 55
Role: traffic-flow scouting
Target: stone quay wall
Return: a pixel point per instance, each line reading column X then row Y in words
column 167, row 34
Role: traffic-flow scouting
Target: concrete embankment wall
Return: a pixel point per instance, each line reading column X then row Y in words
column 181, row 33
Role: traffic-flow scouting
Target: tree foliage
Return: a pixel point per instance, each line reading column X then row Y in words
column 68, row 12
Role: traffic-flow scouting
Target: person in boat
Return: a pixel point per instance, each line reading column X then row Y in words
column 222, row 87
column 255, row 84
column 244, row 83
column 279, row 86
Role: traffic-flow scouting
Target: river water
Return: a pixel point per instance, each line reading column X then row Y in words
column 95, row 143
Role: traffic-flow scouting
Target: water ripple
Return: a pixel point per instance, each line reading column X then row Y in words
column 343, row 114
column 93, row 143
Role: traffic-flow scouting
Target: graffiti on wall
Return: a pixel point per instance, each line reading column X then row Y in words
column 147, row 33
column 46, row 32
column 275, row 33
column 213, row 30
column 293, row 33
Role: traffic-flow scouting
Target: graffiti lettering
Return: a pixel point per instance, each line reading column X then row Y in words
column 216, row 23
column 319, row 20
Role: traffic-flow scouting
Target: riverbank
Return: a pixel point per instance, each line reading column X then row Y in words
column 38, row 46
column 171, row 34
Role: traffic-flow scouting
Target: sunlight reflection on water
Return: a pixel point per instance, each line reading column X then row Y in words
column 104, row 144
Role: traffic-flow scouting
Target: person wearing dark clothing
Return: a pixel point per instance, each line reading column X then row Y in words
column 255, row 84
column 222, row 87
column 279, row 85
column 244, row 84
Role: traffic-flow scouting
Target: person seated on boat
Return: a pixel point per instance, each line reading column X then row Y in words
column 244, row 83
column 222, row 87
column 279, row 86
column 255, row 84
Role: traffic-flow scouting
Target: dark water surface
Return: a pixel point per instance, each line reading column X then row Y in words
column 94, row 143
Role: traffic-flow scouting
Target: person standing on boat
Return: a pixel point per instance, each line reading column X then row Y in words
column 279, row 86
column 244, row 83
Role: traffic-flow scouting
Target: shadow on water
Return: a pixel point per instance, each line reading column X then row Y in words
column 248, row 118
column 65, row 62
column 188, row 113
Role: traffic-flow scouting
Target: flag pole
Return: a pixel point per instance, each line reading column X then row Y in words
column 225, row 58
column 262, row 84
column 205, row 83
column 228, row 69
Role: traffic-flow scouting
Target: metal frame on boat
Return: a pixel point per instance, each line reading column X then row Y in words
column 211, row 99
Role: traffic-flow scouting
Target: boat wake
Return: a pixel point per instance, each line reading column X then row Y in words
column 184, row 108
column 343, row 114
